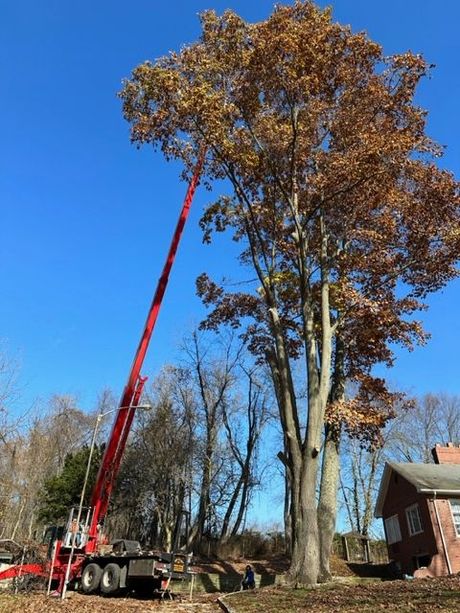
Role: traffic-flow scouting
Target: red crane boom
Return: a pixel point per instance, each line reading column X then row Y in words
column 133, row 390
column 71, row 560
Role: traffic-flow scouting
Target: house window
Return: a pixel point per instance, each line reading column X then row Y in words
column 392, row 529
column 455, row 508
column 414, row 520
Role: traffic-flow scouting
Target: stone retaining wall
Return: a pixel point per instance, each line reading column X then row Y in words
column 214, row 582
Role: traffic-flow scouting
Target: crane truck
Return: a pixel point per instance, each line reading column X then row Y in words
column 77, row 553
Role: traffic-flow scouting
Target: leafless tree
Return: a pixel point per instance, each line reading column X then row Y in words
column 152, row 487
column 410, row 437
column 434, row 419
column 359, row 482
column 10, row 427
column 212, row 378
column 243, row 423
column 37, row 451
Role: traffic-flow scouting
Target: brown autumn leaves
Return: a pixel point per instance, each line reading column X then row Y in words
column 340, row 210
column 297, row 108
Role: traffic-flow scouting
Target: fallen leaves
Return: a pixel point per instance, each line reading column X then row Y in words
column 36, row 603
column 426, row 595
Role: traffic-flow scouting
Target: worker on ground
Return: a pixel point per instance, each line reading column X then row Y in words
column 248, row 582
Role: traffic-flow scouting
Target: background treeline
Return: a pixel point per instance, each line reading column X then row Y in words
column 204, row 449
column 196, row 452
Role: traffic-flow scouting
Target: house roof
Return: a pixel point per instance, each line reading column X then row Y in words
column 441, row 479
column 356, row 534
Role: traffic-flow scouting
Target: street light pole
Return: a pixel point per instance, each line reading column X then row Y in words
column 145, row 407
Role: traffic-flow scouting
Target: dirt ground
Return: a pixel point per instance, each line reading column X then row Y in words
column 354, row 593
column 39, row 603
column 420, row 596
column 275, row 565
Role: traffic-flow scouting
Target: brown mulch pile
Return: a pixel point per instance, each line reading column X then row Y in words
column 340, row 568
column 29, row 551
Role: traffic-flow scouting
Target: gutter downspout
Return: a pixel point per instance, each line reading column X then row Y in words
column 441, row 531
column 424, row 490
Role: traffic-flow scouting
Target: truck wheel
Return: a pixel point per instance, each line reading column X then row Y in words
column 110, row 580
column 90, row 578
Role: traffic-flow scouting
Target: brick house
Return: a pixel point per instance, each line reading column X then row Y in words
column 420, row 508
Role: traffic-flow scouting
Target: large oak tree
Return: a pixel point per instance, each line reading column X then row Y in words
column 339, row 209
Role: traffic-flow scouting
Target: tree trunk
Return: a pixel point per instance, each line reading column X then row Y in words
column 154, row 530
column 305, row 548
column 243, row 503
column 167, row 536
column 368, row 498
column 327, row 507
column 287, row 512
column 31, row 525
column 327, row 504
column 198, row 529
column 231, row 507
column 347, row 502
column 18, row 521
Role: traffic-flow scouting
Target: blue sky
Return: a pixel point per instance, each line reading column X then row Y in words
column 85, row 218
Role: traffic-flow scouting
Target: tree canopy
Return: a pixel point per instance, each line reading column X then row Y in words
column 338, row 205
column 62, row 491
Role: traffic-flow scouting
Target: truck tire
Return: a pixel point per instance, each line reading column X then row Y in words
column 110, row 580
column 90, row 578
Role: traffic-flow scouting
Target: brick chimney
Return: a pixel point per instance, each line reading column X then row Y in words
column 450, row 454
